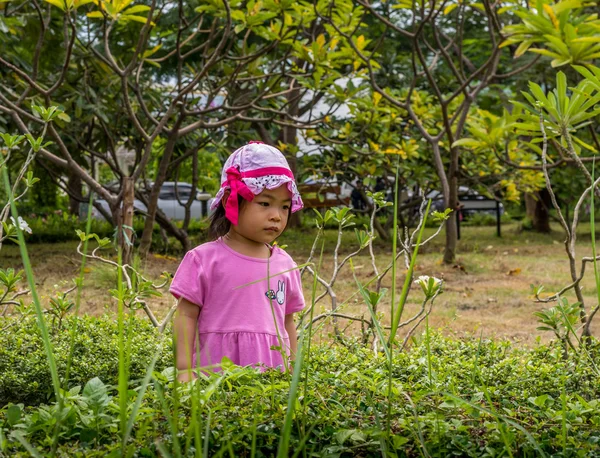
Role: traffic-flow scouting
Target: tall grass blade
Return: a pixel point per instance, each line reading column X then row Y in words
column 193, row 432
column 428, row 347
column 196, row 422
column 206, row 435
column 31, row 281
column 175, row 416
column 394, row 241
column 170, row 420
column 313, row 297
column 390, row 349
column 382, row 440
column 73, row 331
column 282, row 351
column 38, row 307
column 301, row 445
column 564, row 432
column 374, row 318
column 408, row 279
column 32, row 451
column 284, row 440
column 163, row 450
column 122, row 381
column 270, row 275
column 254, row 429
column 140, row 396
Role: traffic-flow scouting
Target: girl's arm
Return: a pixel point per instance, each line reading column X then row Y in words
column 184, row 328
column 290, row 327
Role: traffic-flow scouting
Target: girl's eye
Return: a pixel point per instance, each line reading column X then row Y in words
column 286, row 207
column 264, row 204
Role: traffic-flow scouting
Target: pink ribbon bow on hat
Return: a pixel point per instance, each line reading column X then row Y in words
column 237, row 186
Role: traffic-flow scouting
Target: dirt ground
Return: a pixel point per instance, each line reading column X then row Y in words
column 486, row 292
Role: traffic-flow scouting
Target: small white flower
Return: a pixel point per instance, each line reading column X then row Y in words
column 22, row 224
column 429, row 285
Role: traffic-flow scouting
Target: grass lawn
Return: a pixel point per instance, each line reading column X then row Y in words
column 487, row 290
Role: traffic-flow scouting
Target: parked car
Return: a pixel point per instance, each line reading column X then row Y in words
column 472, row 202
column 167, row 202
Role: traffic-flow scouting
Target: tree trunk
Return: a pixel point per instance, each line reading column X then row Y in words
column 171, row 229
column 541, row 220
column 152, row 206
column 530, row 202
column 74, row 189
column 536, row 207
column 451, row 200
column 126, row 227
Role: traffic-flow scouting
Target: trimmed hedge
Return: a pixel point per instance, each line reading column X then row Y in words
column 24, row 373
column 467, row 402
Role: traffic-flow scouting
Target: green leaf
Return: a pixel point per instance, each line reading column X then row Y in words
column 561, row 90
column 451, row 7
column 545, row 52
column 565, row 5
column 560, row 62
column 13, row 414
column 523, row 47
column 468, row 142
column 141, row 19
column 584, row 144
column 64, row 117
column 238, row 15
column 558, row 44
column 96, row 394
column 586, row 40
column 136, row 9
column 58, row 3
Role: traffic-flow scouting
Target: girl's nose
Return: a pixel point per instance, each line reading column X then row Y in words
column 275, row 216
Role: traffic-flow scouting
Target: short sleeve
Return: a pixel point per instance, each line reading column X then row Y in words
column 189, row 280
column 295, row 299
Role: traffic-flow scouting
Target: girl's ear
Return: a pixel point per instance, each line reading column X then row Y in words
column 225, row 197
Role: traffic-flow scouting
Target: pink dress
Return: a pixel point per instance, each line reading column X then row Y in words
column 240, row 312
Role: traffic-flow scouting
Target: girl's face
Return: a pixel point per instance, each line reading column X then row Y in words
column 264, row 218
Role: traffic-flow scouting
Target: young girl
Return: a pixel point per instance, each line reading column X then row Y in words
column 222, row 286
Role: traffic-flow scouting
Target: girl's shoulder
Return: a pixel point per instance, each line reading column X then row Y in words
column 206, row 249
column 283, row 255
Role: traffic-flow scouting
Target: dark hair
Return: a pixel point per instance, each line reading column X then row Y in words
column 220, row 225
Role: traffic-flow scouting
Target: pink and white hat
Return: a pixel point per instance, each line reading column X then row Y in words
column 251, row 169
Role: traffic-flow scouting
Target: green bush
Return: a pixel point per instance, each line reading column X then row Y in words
column 467, row 405
column 59, row 226
column 24, row 373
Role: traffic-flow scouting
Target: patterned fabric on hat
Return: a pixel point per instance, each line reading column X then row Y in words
column 252, row 169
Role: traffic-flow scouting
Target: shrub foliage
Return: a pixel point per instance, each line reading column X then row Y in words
column 475, row 398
